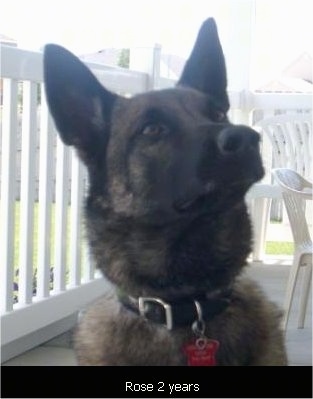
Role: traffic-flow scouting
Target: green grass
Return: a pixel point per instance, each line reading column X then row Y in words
column 279, row 248
column 35, row 243
column 272, row 247
column 35, row 234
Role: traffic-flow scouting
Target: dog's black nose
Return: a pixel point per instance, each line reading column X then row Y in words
column 235, row 139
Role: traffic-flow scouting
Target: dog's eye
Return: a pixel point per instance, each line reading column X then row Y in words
column 155, row 130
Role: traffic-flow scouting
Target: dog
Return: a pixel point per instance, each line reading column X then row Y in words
column 166, row 217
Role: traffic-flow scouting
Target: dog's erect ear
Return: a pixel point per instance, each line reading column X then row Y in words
column 80, row 106
column 205, row 69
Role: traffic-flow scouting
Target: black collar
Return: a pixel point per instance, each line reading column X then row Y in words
column 178, row 313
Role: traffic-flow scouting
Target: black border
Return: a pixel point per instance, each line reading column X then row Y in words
column 109, row 382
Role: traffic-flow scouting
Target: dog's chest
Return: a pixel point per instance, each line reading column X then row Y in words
column 146, row 342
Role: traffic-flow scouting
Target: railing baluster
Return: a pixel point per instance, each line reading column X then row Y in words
column 61, row 210
column 303, row 148
column 29, row 134
column 88, row 268
column 45, row 196
column 308, row 145
column 8, row 185
column 75, row 238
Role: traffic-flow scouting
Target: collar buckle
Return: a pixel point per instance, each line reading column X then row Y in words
column 143, row 301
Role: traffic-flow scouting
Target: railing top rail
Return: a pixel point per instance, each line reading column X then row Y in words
column 21, row 64
column 287, row 101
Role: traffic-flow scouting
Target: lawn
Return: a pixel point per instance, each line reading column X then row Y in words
column 35, row 245
column 279, row 248
column 35, row 234
column 272, row 247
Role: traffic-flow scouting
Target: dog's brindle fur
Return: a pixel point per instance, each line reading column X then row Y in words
column 165, row 212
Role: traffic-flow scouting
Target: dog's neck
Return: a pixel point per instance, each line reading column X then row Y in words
column 172, row 261
column 180, row 312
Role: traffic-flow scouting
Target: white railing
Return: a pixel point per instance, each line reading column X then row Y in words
column 42, row 193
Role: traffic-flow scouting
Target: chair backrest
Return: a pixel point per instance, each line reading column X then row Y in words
column 291, row 139
column 295, row 190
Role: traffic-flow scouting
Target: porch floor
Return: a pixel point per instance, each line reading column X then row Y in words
column 272, row 276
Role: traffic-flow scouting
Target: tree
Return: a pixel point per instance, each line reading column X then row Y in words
column 123, row 60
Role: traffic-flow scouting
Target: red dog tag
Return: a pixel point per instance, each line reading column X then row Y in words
column 202, row 352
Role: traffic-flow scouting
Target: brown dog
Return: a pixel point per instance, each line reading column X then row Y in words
column 166, row 217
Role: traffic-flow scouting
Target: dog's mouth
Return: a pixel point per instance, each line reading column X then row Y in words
column 211, row 194
column 194, row 201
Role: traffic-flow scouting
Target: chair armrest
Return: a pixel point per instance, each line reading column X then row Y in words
column 260, row 190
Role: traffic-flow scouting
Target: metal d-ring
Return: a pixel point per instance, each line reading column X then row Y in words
column 198, row 325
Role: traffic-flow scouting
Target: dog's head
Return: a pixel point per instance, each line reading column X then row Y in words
column 161, row 155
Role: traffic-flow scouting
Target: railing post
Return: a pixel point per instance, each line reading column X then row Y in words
column 148, row 60
column 238, row 47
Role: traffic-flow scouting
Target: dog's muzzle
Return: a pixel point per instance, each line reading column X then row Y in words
column 237, row 162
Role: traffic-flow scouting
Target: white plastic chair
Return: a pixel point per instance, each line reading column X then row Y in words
column 286, row 143
column 296, row 191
